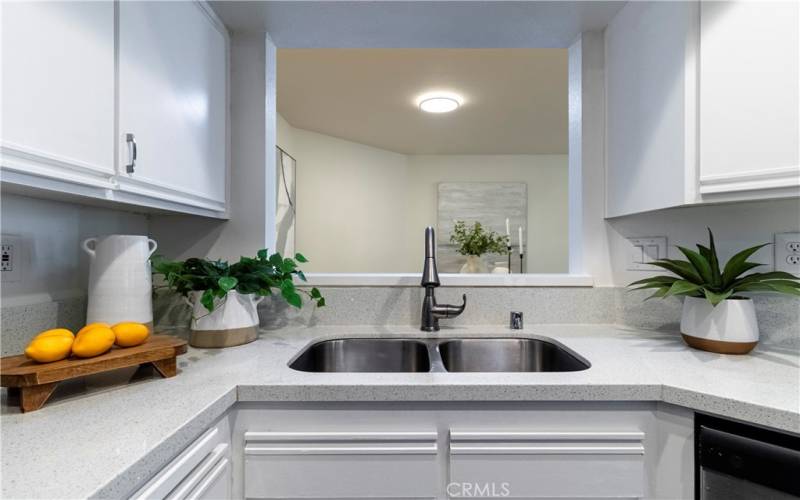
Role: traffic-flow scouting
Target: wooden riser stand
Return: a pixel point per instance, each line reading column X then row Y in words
column 35, row 382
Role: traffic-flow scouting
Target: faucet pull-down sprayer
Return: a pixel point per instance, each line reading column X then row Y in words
column 431, row 311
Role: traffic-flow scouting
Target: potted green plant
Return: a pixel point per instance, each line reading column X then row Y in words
column 475, row 241
column 716, row 317
column 224, row 296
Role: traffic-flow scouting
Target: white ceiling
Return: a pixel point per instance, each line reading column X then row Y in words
column 515, row 100
column 418, row 24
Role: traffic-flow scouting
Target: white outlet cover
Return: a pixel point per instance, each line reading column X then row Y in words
column 12, row 245
column 787, row 253
column 643, row 251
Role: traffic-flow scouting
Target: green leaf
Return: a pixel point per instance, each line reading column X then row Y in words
column 716, row 298
column 207, row 300
column 758, row 277
column 293, row 298
column 321, row 302
column 301, row 275
column 227, row 283
column 700, row 264
column 262, row 254
column 300, row 258
column 680, row 267
column 782, row 288
column 315, row 293
column 682, row 287
column 660, row 293
column 287, row 286
column 737, row 265
column 655, row 279
column 713, row 261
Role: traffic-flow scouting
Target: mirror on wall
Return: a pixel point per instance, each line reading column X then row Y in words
column 376, row 144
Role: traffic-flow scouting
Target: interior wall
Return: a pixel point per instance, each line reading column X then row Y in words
column 736, row 226
column 350, row 205
column 53, row 265
column 546, row 178
column 388, row 198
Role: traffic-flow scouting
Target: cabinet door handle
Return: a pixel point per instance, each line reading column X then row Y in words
column 132, row 153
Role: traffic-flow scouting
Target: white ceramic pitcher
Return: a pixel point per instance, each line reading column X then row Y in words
column 120, row 283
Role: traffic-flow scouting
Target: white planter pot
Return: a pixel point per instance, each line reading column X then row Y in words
column 474, row 265
column 234, row 320
column 120, row 286
column 729, row 328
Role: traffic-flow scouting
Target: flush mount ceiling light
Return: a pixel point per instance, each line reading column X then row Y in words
column 439, row 102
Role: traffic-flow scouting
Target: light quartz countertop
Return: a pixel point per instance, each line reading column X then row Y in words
column 99, row 439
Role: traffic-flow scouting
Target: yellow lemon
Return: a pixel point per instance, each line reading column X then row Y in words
column 55, row 332
column 49, row 349
column 130, row 334
column 93, row 342
column 92, row 325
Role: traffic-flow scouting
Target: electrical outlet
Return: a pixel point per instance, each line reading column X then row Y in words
column 643, row 251
column 787, row 252
column 10, row 262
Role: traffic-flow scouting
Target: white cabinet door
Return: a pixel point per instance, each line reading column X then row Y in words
column 651, row 82
column 749, row 96
column 202, row 470
column 347, row 464
column 547, row 464
column 58, row 91
column 173, row 99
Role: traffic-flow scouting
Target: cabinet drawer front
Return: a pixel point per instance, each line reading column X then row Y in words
column 177, row 471
column 548, row 464
column 341, row 465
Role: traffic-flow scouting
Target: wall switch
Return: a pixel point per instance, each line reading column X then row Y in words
column 787, row 253
column 10, row 264
column 643, row 251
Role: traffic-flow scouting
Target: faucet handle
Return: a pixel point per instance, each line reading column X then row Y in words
column 451, row 311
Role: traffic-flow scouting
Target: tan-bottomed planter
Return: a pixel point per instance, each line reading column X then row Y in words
column 729, row 328
column 234, row 321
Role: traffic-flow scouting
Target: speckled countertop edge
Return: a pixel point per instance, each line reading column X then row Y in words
column 628, row 365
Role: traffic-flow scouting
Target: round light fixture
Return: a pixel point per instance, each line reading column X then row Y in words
column 439, row 103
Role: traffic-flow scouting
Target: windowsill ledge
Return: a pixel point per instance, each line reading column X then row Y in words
column 468, row 280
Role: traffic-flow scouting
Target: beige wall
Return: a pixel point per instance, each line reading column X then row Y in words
column 363, row 209
column 545, row 176
column 350, row 204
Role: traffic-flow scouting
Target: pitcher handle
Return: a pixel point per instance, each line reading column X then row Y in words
column 87, row 248
column 257, row 299
column 153, row 246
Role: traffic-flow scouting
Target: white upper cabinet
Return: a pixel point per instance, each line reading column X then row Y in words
column 58, row 92
column 651, row 90
column 702, row 103
column 749, row 97
column 173, row 99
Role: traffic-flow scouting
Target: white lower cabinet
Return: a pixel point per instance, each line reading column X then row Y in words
column 463, row 450
column 549, row 464
column 345, row 464
column 202, row 471
column 437, row 450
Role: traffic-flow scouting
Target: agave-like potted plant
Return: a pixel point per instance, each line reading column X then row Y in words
column 224, row 296
column 716, row 317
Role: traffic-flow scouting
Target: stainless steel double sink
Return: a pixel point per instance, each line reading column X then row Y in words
column 381, row 355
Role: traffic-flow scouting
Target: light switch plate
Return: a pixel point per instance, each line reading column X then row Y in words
column 787, row 252
column 643, row 251
column 10, row 261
